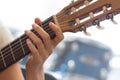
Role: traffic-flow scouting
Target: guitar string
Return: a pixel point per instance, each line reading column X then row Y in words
column 63, row 22
column 10, row 54
column 6, row 49
column 18, row 46
column 26, row 37
column 46, row 30
column 62, row 16
column 15, row 50
column 45, row 27
column 23, row 42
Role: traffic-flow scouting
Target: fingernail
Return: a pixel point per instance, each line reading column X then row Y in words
column 34, row 26
column 51, row 23
column 28, row 41
column 27, row 31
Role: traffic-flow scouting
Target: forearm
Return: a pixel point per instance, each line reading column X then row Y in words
column 12, row 73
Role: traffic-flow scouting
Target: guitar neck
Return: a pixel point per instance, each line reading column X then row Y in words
column 77, row 16
column 18, row 49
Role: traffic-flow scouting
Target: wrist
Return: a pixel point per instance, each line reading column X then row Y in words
column 35, row 74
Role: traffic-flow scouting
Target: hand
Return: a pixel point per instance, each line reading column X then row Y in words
column 44, row 47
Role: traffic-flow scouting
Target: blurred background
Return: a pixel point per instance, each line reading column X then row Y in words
column 77, row 57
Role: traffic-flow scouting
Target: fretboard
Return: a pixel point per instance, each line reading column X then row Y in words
column 18, row 49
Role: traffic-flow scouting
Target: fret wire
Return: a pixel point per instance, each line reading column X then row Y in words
column 43, row 23
column 12, row 52
column 34, row 31
column 19, row 55
column 26, row 37
column 3, row 59
column 9, row 59
column 44, row 26
column 22, row 46
column 26, row 48
column 13, row 45
column 6, row 50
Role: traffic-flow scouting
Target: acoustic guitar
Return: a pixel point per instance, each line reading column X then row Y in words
column 77, row 16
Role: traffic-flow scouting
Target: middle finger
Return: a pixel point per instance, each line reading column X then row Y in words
column 36, row 40
column 45, row 37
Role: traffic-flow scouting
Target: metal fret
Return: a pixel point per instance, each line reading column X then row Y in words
column 3, row 59
column 18, row 46
column 12, row 52
column 22, row 46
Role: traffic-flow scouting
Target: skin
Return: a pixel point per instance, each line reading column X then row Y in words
column 38, row 55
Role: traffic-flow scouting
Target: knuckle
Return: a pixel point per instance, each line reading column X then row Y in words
column 38, row 41
column 50, row 51
column 46, row 37
column 29, row 33
column 37, row 27
column 61, row 37
column 57, row 29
